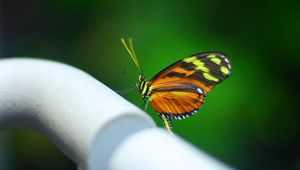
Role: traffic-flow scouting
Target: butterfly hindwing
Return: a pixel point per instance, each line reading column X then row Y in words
column 178, row 103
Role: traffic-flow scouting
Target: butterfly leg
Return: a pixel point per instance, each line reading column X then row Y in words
column 126, row 90
column 121, row 76
column 167, row 124
column 146, row 100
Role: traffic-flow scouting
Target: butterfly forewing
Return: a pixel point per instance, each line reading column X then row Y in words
column 179, row 90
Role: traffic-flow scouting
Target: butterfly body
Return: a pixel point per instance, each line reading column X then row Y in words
column 144, row 87
column 179, row 90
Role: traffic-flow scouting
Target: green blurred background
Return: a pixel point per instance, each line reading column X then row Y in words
column 251, row 121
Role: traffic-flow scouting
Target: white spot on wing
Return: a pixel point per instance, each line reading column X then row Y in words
column 221, row 56
column 226, row 60
column 200, row 91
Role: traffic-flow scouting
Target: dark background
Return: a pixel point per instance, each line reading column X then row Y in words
column 251, row 121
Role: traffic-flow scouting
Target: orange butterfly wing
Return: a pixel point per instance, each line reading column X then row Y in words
column 177, row 103
column 179, row 90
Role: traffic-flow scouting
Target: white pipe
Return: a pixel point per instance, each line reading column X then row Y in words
column 89, row 122
column 62, row 102
column 157, row 149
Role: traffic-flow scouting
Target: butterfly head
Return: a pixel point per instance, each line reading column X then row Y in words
column 142, row 78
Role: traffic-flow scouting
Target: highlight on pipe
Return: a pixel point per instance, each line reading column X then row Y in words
column 179, row 90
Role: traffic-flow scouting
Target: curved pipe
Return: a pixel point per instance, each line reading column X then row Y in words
column 89, row 122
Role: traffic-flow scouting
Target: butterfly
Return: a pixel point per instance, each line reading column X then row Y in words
column 179, row 90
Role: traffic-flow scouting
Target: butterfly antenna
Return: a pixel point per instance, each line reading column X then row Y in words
column 130, row 50
column 167, row 124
